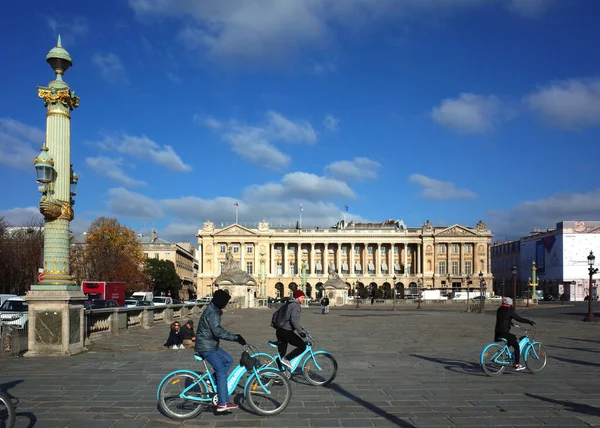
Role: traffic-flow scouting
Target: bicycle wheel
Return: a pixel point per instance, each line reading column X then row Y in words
column 535, row 357
column 320, row 369
column 268, row 392
column 494, row 359
column 170, row 401
column 7, row 411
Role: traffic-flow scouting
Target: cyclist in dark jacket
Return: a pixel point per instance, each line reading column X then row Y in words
column 504, row 316
column 207, row 345
column 285, row 334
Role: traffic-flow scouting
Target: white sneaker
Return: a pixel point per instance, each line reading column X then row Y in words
column 181, row 346
column 175, row 347
column 286, row 363
column 519, row 367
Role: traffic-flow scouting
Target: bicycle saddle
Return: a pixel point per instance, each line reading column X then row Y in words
column 274, row 343
column 197, row 357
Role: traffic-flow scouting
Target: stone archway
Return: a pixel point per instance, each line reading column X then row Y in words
column 399, row 290
column 362, row 292
column 387, row 290
column 373, row 289
column 279, row 289
column 319, row 287
column 292, row 287
column 309, row 290
column 413, row 289
column 350, row 290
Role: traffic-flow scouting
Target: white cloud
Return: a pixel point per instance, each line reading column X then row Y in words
column 569, row 104
column 544, row 213
column 435, row 189
column 111, row 68
column 112, row 168
column 264, row 31
column 19, row 144
column 469, row 113
column 21, row 216
column 357, row 169
column 529, row 8
column 71, row 30
column 143, row 147
column 299, row 186
column 331, row 123
column 257, row 143
column 123, row 202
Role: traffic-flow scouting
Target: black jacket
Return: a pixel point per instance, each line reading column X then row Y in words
column 505, row 315
column 187, row 333
column 174, row 338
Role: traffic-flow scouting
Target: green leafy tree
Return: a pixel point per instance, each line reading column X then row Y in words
column 163, row 276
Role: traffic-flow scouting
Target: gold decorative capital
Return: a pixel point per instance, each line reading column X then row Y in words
column 65, row 97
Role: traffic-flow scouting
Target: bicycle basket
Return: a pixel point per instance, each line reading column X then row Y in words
column 249, row 362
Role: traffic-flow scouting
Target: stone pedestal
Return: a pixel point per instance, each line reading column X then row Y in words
column 56, row 324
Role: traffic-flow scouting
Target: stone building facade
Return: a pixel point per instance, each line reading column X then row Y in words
column 371, row 258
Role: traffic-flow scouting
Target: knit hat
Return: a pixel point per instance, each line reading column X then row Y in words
column 508, row 301
column 220, row 299
column 298, row 294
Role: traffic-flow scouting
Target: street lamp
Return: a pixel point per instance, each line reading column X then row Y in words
column 419, row 291
column 481, row 292
column 467, row 279
column 592, row 270
column 394, row 292
column 514, row 274
column 263, row 276
column 303, row 278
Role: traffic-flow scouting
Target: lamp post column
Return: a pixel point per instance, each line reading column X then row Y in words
column 514, row 274
column 534, row 283
column 467, row 279
column 592, row 271
column 56, row 302
column 419, row 290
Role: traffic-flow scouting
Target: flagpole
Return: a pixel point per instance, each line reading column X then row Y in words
column 300, row 223
column 236, row 212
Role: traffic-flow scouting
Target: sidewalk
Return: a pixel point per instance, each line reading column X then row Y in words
column 401, row 368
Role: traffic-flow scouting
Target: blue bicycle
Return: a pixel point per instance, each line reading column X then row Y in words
column 495, row 357
column 184, row 394
column 318, row 367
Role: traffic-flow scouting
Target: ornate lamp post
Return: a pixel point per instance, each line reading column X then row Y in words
column 303, row 279
column 262, row 277
column 592, row 270
column 56, row 301
column 482, row 286
column 467, row 279
column 534, row 283
column 514, row 274
column 420, row 291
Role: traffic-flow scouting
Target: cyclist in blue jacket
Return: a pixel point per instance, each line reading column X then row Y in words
column 504, row 316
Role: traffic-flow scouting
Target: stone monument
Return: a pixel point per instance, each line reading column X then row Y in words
column 238, row 283
column 335, row 288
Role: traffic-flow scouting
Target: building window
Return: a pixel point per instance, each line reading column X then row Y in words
column 357, row 251
column 292, row 250
column 370, row 250
column 236, row 248
column 292, row 268
column 383, row 251
column 396, row 250
column 454, row 268
column 454, row 248
column 279, row 250
column 223, row 248
column 344, row 250
column 249, row 249
column 221, row 265
column 442, row 248
column 468, row 268
column 409, row 268
column 468, row 248
column 168, row 256
column 146, row 255
column 442, row 268
column 249, row 268
column 156, row 255
column 279, row 268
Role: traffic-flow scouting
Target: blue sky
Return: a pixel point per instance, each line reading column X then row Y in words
column 447, row 110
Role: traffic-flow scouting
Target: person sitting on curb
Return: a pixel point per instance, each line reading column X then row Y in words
column 187, row 332
column 175, row 339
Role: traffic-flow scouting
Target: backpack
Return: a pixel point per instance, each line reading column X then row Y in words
column 278, row 319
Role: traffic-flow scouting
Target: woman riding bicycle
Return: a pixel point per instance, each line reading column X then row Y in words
column 504, row 316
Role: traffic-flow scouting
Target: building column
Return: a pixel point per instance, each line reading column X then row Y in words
column 351, row 260
column 311, row 255
column 461, row 263
column 242, row 265
column 284, row 269
column 418, row 267
column 326, row 258
column 272, row 259
column 448, row 259
column 299, row 258
column 338, row 263
column 378, row 260
column 405, row 257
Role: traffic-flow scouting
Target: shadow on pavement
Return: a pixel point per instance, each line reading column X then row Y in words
column 581, row 340
column 569, row 405
column 574, row 349
column 569, row 360
column 373, row 408
column 30, row 416
column 455, row 365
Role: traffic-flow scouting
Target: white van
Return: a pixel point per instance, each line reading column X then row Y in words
column 162, row 301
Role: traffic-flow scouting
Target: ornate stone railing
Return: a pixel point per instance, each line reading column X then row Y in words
column 99, row 322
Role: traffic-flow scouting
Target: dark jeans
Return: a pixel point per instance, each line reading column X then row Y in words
column 511, row 340
column 288, row 336
column 221, row 361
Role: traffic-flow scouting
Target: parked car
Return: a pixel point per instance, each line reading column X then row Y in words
column 131, row 303
column 14, row 311
column 496, row 298
column 177, row 301
column 103, row 304
column 204, row 300
column 162, row 301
